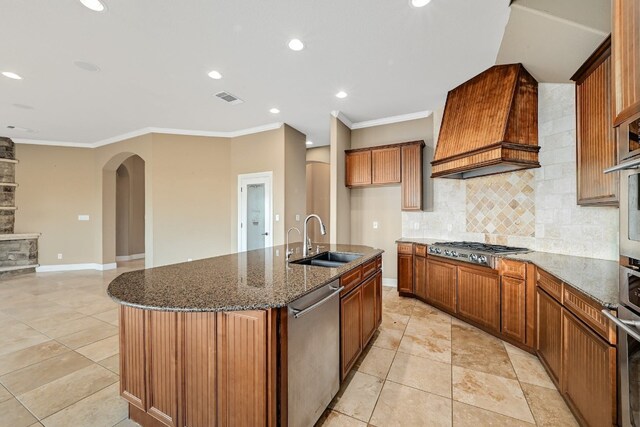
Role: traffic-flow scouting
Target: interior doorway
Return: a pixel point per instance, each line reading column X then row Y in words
column 255, row 211
column 130, row 210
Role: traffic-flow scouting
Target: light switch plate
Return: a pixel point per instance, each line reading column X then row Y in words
column 83, row 217
column 277, row 217
column 297, row 217
column 375, row 225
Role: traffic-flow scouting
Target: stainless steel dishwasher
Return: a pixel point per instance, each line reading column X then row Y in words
column 314, row 354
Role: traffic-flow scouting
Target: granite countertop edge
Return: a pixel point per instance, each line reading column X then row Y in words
column 336, row 274
column 529, row 258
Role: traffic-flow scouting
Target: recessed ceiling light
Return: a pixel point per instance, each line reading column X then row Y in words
column 274, row 111
column 342, row 94
column 11, row 75
column 309, row 142
column 420, row 3
column 87, row 66
column 295, row 44
column 215, row 75
column 95, row 5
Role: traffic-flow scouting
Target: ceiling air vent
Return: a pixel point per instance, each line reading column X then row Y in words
column 231, row 99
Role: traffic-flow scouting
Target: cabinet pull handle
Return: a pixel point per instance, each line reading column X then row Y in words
column 629, row 326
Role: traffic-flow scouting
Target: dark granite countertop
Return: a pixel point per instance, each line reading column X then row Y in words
column 595, row 278
column 259, row 279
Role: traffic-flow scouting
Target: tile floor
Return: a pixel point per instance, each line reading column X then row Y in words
column 59, row 364
column 425, row 368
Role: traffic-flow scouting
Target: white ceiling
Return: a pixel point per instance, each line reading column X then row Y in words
column 154, row 56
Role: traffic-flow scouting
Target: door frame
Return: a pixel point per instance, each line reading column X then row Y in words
column 245, row 179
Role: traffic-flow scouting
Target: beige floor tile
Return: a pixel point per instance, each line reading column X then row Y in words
column 471, row 416
column 18, row 337
column 336, row 419
column 112, row 363
column 529, row 370
column 432, row 327
column 375, row 361
column 4, row 394
column 33, row 376
column 58, row 394
column 29, row 356
column 394, row 321
column 399, row 405
column 71, row 327
column 358, row 396
column 426, row 346
column 102, row 349
column 477, row 350
column 110, row 316
column 102, row 409
column 98, row 307
column 491, row 392
column 424, row 374
column 13, row 414
column 47, row 323
column 387, row 338
column 127, row 423
column 88, row 336
column 424, row 310
column 549, row 409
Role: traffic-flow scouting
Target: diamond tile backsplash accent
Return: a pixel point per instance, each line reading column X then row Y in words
column 502, row 204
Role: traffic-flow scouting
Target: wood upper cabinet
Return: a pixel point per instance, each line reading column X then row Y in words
column 420, row 275
column 350, row 329
column 441, row 289
column 405, row 268
column 625, row 39
column 596, row 140
column 412, row 177
column 385, row 165
column 358, row 168
column 368, row 309
column 588, row 373
column 549, row 334
column 513, row 308
column 479, row 296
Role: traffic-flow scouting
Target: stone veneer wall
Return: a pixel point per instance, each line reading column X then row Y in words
column 535, row 208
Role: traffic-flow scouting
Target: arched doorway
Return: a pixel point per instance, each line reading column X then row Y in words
column 130, row 210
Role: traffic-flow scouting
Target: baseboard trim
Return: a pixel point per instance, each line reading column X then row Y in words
column 392, row 283
column 129, row 257
column 74, row 267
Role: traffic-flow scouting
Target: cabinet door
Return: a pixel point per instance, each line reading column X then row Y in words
column 132, row 356
column 351, row 329
column 412, row 177
column 420, row 276
column 368, row 309
column 385, row 165
column 358, row 168
column 378, row 278
column 588, row 373
column 514, row 308
column 441, row 290
column 596, row 142
column 549, row 333
column 625, row 32
column 405, row 273
column 479, row 296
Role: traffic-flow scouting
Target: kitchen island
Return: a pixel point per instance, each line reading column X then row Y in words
column 205, row 343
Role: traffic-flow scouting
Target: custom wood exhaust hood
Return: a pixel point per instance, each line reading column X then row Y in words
column 490, row 125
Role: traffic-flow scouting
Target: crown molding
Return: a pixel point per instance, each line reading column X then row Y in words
column 150, row 130
column 377, row 122
column 559, row 19
column 344, row 119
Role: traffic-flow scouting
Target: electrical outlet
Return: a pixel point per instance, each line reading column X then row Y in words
column 83, row 217
column 277, row 217
column 59, row 256
column 297, row 217
column 375, row 225
column 416, row 226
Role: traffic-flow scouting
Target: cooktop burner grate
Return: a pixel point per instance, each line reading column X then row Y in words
column 481, row 247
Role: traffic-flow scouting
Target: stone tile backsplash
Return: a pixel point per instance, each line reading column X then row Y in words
column 534, row 208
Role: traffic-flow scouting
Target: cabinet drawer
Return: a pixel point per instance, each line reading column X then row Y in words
column 421, row 250
column 515, row 269
column 405, row 248
column 350, row 280
column 590, row 313
column 550, row 284
column 368, row 268
column 379, row 262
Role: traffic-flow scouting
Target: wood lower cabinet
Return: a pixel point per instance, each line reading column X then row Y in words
column 133, row 357
column 420, row 276
column 549, row 334
column 479, row 296
column 588, row 373
column 441, row 288
column 513, row 307
column 405, row 273
column 358, row 168
column 369, row 304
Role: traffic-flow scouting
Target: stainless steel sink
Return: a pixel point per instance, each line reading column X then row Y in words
column 329, row 259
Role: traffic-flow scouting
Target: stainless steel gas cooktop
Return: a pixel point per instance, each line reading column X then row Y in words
column 473, row 252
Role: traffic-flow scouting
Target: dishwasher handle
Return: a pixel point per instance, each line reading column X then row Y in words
column 301, row 312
